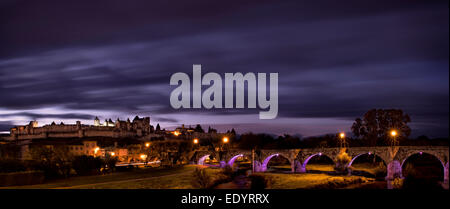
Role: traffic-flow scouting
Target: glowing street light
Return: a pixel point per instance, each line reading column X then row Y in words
column 195, row 141
column 147, row 144
column 96, row 150
column 394, row 134
column 225, row 139
column 342, row 139
column 112, row 153
column 143, row 156
column 176, row 133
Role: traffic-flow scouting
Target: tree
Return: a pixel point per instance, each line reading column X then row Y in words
column 376, row 124
column 233, row 131
column 211, row 130
column 86, row 165
column 199, row 129
column 55, row 161
column 10, row 150
column 170, row 152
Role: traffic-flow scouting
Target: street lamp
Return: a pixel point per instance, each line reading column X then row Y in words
column 225, row 139
column 176, row 133
column 112, row 153
column 342, row 139
column 147, row 144
column 394, row 134
column 195, row 141
column 144, row 158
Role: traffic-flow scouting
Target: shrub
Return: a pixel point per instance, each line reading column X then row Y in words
column 55, row 162
column 110, row 163
column 259, row 182
column 342, row 161
column 380, row 171
column 85, row 165
column 201, row 178
column 11, row 165
column 124, row 168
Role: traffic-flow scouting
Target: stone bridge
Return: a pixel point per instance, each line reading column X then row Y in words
column 393, row 157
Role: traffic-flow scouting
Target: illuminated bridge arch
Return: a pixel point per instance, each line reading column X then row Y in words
column 313, row 155
column 231, row 161
column 366, row 153
column 444, row 166
column 201, row 161
column 266, row 161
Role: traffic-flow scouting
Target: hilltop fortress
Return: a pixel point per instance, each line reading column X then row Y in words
column 139, row 127
column 126, row 139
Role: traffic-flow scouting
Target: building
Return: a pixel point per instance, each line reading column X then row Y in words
column 137, row 128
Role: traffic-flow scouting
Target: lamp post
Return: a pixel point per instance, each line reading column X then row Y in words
column 225, row 140
column 195, row 141
column 342, row 139
column 394, row 139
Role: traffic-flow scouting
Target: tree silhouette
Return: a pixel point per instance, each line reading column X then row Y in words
column 376, row 124
column 199, row 129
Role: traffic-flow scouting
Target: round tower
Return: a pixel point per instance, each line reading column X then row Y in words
column 96, row 121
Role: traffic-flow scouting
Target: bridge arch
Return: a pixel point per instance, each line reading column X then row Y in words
column 365, row 153
column 266, row 161
column 420, row 153
column 231, row 161
column 201, row 161
column 444, row 166
column 313, row 155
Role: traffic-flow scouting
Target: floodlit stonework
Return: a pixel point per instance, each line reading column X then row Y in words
column 393, row 157
column 137, row 128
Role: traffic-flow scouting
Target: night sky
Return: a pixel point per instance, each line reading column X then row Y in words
column 74, row 60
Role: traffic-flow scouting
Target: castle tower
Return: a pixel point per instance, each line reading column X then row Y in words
column 34, row 124
column 128, row 124
column 96, row 121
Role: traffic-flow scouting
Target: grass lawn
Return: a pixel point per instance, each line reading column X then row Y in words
column 309, row 180
column 369, row 168
column 145, row 178
column 181, row 179
column 320, row 167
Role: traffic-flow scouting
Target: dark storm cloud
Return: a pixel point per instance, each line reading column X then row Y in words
column 62, row 116
column 160, row 119
column 5, row 126
column 334, row 60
